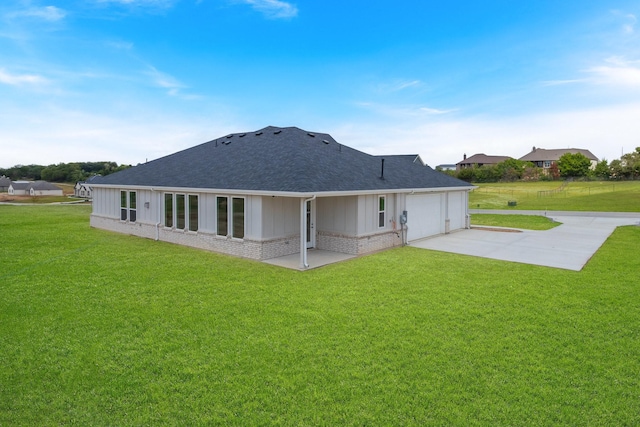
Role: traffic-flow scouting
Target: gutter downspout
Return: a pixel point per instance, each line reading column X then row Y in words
column 159, row 213
column 303, row 231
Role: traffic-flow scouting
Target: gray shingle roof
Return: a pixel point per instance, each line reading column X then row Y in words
column 483, row 159
column 43, row 185
column 283, row 160
column 541, row 154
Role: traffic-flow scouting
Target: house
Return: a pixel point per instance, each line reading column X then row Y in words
column 37, row 188
column 279, row 191
column 544, row 158
column 4, row 184
column 479, row 160
column 19, row 188
column 446, row 167
column 82, row 189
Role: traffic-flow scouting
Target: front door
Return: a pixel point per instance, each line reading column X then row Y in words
column 311, row 219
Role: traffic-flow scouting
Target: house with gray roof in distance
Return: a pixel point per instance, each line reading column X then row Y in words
column 35, row 189
column 544, row 158
column 480, row 159
column 4, row 183
column 280, row 191
column 19, row 188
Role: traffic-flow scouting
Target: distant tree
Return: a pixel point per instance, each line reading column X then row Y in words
column 511, row 169
column 631, row 164
column 531, row 173
column 467, row 174
column 616, row 170
column 573, row 165
column 62, row 172
column 602, row 170
column 554, row 171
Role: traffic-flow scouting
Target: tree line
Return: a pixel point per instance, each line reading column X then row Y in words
column 568, row 166
column 61, row 172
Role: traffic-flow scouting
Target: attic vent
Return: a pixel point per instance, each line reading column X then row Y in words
column 230, row 135
column 325, row 141
column 311, row 134
column 226, row 142
column 277, row 132
column 242, row 134
column 259, row 133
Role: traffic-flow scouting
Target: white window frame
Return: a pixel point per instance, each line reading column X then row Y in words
column 231, row 216
column 382, row 214
column 127, row 206
column 173, row 210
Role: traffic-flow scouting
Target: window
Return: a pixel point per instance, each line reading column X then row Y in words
column 180, row 212
column 238, row 218
column 132, row 206
column 381, row 211
column 128, row 206
column 222, row 215
column 193, row 212
column 547, row 163
column 123, row 205
column 168, row 210
column 233, row 212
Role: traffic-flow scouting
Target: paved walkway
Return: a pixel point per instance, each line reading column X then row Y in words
column 568, row 246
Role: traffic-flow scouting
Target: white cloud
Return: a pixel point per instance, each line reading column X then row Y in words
column 20, row 79
column 173, row 86
column 47, row 13
column 617, row 72
column 403, row 111
column 273, row 8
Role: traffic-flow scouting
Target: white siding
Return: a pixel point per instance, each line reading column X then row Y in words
column 457, row 209
column 337, row 214
column 280, row 217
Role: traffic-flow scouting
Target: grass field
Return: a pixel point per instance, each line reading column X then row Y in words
column 99, row 328
column 574, row 196
column 527, row 222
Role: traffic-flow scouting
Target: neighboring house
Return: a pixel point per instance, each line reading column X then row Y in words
column 480, row 160
column 44, row 188
column 279, row 191
column 82, row 189
column 4, row 184
column 38, row 188
column 19, row 188
column 543, row 158
column 446, row 167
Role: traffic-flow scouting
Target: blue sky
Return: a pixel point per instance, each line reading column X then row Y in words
column 130, row 80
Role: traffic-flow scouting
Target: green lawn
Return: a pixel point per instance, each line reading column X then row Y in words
column 99, row 328
column 596, row 196
column 527, row 222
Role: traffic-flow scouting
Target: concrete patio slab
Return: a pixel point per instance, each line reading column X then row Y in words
column 568, row 246
column 315, row 258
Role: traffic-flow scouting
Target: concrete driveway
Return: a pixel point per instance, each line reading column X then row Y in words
column 568, row 246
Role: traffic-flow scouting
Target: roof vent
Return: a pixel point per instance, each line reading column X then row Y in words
column 230, row 135
column 325, row 141
column 277, row 132
column 258, row 133
column 242, row 134
column 311, row 134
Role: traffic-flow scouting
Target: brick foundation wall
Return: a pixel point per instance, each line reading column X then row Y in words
column 357, row 245
column 245, row 248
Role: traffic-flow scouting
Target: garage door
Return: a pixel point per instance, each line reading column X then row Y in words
column 424, row 216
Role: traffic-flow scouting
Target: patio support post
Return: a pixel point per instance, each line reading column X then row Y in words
column 303, row 231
